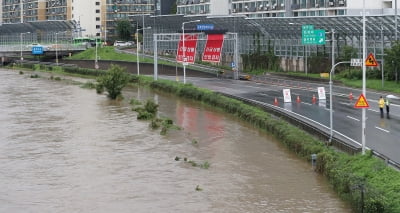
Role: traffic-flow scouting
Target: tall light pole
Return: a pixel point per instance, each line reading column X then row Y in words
column 96, row 62
column 331, row 99
column 21, row 41
column 184, row 60
column 364, row 81
column 21, row 7
column 395, row 20
column 57, row 46
column 137, row 47
column 56, row 49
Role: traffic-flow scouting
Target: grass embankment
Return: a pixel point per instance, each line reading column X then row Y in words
column 362, row 180
column 108, row 53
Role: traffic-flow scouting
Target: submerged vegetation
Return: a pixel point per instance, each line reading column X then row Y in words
column 113, row 81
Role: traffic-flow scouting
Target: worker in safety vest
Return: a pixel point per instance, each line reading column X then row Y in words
column 387, row 103
column 381, row 103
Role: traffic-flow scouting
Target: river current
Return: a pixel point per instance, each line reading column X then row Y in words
column 67, row 149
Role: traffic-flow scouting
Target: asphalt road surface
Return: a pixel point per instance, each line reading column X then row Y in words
column 382, row 134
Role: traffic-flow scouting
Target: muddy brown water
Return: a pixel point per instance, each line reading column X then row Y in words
column 67, row 149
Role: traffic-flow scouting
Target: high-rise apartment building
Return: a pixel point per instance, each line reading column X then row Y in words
column 284, row 8
column 203, row 7
column 93, row 17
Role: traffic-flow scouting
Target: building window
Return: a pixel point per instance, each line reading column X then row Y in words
column 97, row 26
column 97, row 18
column 97, row 3
column 97, row 11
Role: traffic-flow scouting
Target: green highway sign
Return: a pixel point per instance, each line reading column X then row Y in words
column 312, row 36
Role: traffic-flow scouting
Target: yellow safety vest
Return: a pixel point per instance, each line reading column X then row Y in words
column 381, row 103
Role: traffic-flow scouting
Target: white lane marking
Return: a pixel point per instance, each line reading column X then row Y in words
column 306, row 103
column 353, row 118
column 387, row 131
column 373, row 110
column 345, row 103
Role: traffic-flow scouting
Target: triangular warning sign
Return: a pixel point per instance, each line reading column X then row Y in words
column 361, row 102
column 371, row 61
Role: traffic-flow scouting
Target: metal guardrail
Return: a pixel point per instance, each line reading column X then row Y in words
column 337, row 141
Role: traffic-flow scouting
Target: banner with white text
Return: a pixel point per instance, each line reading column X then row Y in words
column 187, row 49
column 213, row 48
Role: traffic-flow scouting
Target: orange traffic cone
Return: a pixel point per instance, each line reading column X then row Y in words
column 314, row 99
column 351, row 96
column 298, row 99
column 276, row 102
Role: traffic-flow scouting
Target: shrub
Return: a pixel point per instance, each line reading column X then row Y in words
column 151, row 107
column 114, row 81
column 135, row 102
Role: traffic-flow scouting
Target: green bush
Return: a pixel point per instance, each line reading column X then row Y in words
column 114, row 81
column 151, row 107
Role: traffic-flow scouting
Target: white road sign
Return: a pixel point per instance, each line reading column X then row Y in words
column 321, row 93
column 287, row 98
column 356, row 62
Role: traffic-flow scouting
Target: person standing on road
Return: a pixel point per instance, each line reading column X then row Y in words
column 381, row 104
column 387, row 103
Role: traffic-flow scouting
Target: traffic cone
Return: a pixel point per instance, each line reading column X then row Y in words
column 276, row 102
column 314, row 99
column 298, row 99
column 351, row 96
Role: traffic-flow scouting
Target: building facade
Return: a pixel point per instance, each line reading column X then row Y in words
column 203, row 7
column 93, row 17
column 284, row 8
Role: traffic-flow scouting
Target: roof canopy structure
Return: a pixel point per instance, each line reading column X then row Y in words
column 275, row 27
column 45, row 26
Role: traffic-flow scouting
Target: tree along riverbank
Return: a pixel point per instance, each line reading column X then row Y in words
column 362, row 180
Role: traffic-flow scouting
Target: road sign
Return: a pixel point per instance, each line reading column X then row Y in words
column 312, row 36
column 371, row 61
column 356, row 62
column 321, row 93
column 203, row 27
column 361, row 102
column 37, row 50
column 287, row 98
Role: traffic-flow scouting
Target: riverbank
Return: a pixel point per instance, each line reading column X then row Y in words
column 378, row 183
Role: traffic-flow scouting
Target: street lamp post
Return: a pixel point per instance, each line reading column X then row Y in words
column 21, row 41
column 331, row 99
column 57, row 46
column 184, row 60
column 56, row 49
column 364, row 90
column 137, row 47
column 96, row 62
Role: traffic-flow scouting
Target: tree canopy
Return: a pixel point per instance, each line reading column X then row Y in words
column 124, row 30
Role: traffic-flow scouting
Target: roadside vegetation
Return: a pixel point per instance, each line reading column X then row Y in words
column 366, row 182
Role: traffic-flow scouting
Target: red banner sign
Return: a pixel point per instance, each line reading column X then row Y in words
column 213, row 48
column 187, row 51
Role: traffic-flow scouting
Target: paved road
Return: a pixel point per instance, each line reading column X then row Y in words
column 382, row 134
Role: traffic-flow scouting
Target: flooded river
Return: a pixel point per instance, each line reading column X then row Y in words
column 67, row 149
